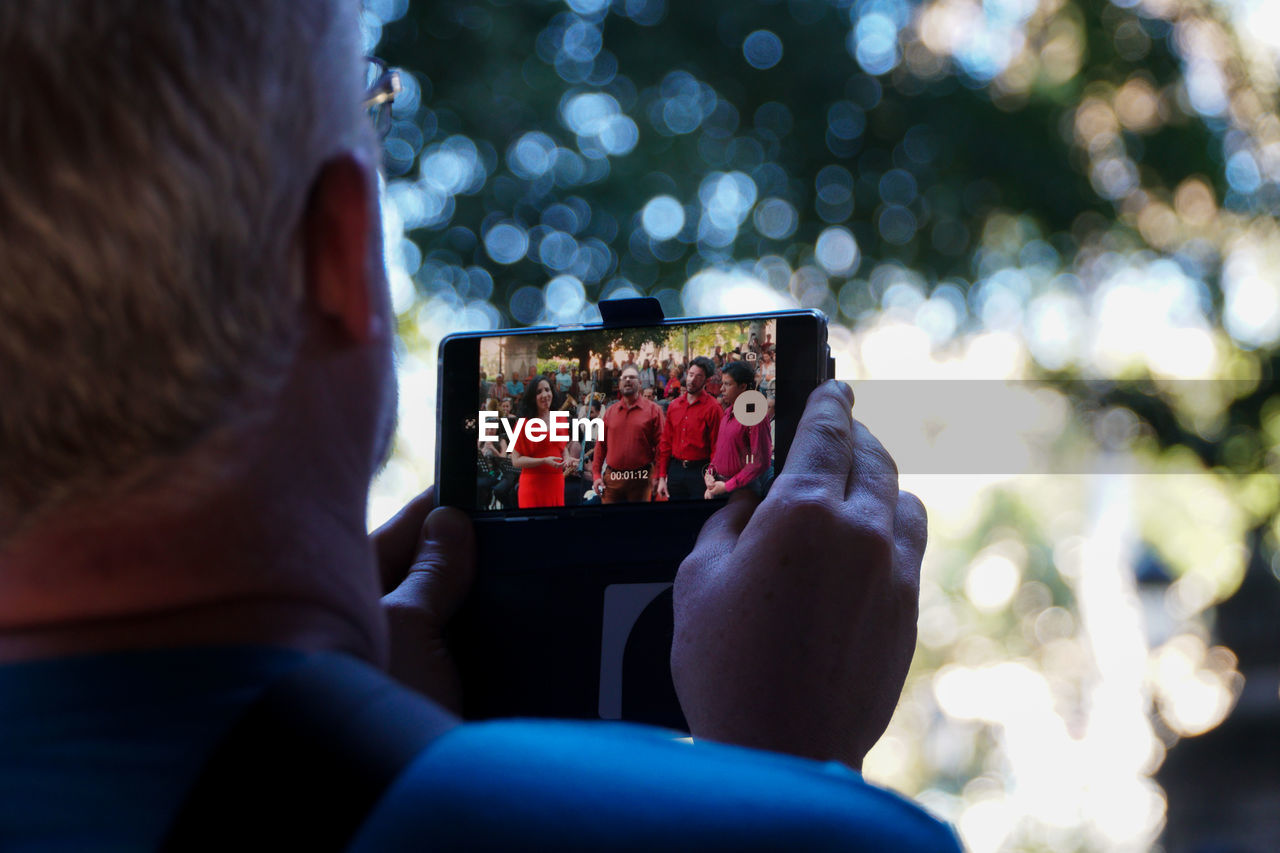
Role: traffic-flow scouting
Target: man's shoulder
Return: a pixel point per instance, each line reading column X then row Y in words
column 586, row 786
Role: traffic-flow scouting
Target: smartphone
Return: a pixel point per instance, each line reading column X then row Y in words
column 589, row 458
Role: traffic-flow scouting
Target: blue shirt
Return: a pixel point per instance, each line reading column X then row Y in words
column 97, row 752
column 515, row 387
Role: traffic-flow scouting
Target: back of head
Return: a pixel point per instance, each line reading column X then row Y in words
column 741, row 373
column 155, row 158
column 708, row 366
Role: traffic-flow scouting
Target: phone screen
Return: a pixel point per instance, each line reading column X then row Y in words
column 627, row 415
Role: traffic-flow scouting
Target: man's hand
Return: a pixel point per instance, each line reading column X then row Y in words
column 426, row 560
column 662, row 489
column 794, row 632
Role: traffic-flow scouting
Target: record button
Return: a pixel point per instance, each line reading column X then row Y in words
column 750, row 408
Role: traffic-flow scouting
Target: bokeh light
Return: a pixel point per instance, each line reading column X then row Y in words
column 762, row 49
column 1082, row 195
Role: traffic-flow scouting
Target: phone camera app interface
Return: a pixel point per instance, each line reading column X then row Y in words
column 629, row 415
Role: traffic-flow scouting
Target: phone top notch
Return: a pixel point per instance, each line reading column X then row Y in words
column 640, row 311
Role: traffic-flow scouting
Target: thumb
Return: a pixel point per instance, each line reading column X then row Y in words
column 419, row 608
column 719, row 534
column 443, row 567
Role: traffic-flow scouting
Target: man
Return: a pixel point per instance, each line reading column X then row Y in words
column 564, row 379
column 499, row 389
column 198, row 386
column 688, row 436
column 742, row 453
column 515, row 386
column 625, row 454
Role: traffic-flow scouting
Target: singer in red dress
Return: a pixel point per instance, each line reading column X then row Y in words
column 542, row 463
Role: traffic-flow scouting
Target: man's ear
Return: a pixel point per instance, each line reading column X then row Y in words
column 337, row 230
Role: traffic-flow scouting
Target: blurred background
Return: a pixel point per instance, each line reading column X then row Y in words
column 1062, row 212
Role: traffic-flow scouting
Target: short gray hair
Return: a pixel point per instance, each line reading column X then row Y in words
column 155, row 158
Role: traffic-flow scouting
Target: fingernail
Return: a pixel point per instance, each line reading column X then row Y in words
column 845, row 388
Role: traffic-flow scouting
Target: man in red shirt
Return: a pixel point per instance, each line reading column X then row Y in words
column 624, row 457
column 688, row 437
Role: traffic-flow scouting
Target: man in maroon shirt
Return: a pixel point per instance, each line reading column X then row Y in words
column 688, row 437
column 624, row 457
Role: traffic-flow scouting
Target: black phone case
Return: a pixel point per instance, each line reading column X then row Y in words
column 571, row 615
column 586, row 613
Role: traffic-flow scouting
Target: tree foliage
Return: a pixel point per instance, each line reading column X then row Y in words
column 1007, row 163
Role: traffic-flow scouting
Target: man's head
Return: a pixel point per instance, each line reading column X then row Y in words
column 648, row 392
column 196, row 369
column 736, row 378
column 629, row 382
column 154, row 184
column 696, row 376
